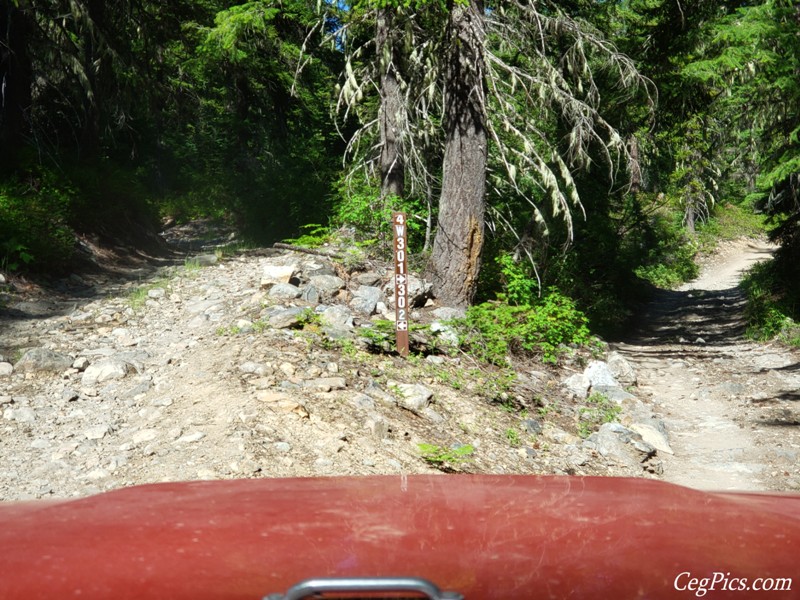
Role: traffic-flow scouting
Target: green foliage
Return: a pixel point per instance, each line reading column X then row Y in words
column 599, row 409
column 13, row 254
column 314, row 236
column 492, row 331
column 380, row 335
column 730, row 222
column 494, row 385
column 139, row 295
column 772, row 306
column 310, row 318
column 513, row 437
column 361, row 208
column 34, row 228
column 521, row 289
column 443, row 457
column 670, row 260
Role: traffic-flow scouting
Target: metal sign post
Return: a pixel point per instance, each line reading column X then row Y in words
column 400, row 282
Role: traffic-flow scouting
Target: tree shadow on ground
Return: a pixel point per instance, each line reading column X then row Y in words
column 685, row 322
column 99, row 268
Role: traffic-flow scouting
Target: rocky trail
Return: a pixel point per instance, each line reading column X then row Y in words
column 730, row 405
column 263, row 363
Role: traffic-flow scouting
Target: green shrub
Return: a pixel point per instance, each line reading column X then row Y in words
column 521, row 288
column 599, row 409
column 363, row 209
column 493, row 330
column 729, row 222
column 440, row 457
column 769, row 311
column 671, row 261
column 313, row 236
column 33, row 224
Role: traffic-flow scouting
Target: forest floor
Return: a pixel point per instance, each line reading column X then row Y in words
column 150, row 370
column 731, row 405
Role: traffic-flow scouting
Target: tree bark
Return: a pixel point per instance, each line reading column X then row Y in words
column 16, row 79
column 391, row 160
column 456, row 258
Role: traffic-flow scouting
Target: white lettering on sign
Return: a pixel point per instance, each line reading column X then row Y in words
column 401, row 282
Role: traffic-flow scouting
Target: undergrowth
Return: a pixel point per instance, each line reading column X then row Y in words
column 772, row 305
column 599, row 409
column 493, row 331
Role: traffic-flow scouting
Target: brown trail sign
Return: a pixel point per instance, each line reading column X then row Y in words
column 400, row 282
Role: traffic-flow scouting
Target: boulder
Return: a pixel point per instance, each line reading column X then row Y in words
column 614, row 393
column 621, row 369
column 310, row 294
column 204, row 260
column 446, row 313
column 325, row 384
column 578, row 384
column 413, row 396
column 275, row 274
column 369, row 278
column 337, row 317
column 43, row 359
column 653, row 433
column 365, row 299
column 599, row 374
column 284, row 291
column 445, row 334
column 327, row 285
column 283, row 318
column 622, row 445
column 105, row 370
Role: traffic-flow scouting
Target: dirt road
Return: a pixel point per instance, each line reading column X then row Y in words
column 732, row 406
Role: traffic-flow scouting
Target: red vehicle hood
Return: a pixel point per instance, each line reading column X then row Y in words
column 498, row 537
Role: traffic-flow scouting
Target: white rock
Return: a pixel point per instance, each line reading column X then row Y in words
column 337, row 317
column 273, row 274
column 145, row 435
column 578, row 384
column 105, row 370
column 98, row 432
column 413, row 396
column 599, row 374
column 621, row 369
column 80, row 363
column 652, row 436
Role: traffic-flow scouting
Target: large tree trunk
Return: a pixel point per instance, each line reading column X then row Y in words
column 15, row 82
column 456, row 258
column 391, row 110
